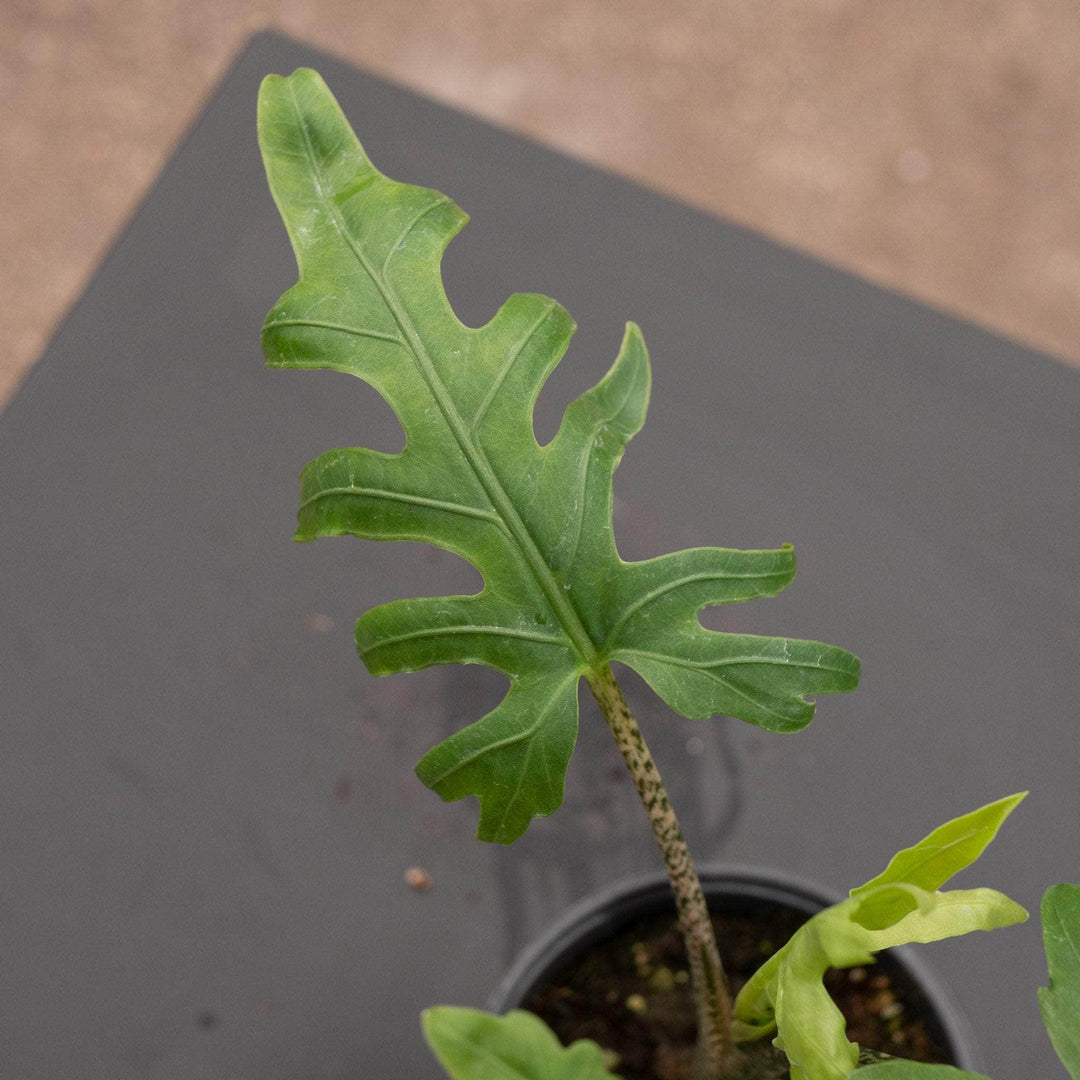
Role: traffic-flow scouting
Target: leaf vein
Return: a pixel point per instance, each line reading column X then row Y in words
column 705, row 667
column 507, row 364
column 727, row 661
column 583, row 472
column 476, row 1049
column 442, row 200
column 319, row 324
column 465, row 628
column 401, row 496
column 686, row 579
column 523, row 771
column 498, row 744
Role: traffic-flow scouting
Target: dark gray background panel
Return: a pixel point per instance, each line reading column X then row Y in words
column 206, row 805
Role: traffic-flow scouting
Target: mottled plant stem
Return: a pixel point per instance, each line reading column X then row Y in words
column 706, row 972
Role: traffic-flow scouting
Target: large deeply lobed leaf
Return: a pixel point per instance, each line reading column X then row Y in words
column 558, row 602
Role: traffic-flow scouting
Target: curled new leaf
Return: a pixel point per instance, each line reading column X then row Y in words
column 558, row 602
column 787, row 994
column 1059, row 1002
column 809, row 1026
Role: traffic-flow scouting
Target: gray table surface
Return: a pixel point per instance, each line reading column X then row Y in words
column 206, row 804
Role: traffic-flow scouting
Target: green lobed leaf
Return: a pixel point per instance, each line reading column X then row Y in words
column 787, row 994
column 474, row 1045
column 558, row 601
column 913, row 1070
column 1059, row 1002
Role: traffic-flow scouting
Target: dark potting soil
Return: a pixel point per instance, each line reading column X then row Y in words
column 631, row 995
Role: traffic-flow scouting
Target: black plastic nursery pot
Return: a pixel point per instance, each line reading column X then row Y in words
column 613, row 969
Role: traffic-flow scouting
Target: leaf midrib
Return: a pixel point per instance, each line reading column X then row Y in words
column 565, row 611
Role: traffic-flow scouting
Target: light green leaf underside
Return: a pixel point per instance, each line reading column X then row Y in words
column 535, row 521
column 1059, row 1002
column 474, row 1045
column 787, row 993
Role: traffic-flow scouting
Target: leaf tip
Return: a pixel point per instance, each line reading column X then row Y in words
column 300, row 74
column 1006, row 805
column 272, row 85
column 502, row 837
column 628, row 384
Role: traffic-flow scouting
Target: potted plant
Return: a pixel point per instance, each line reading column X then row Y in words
column 611, row 969
column 559, row 605
column 479, row 1046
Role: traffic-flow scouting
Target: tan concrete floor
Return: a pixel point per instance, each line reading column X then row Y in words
column 930, row 145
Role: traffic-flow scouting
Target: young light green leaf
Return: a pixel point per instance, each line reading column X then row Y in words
column 913, row 1070
column 943, row 915
column 474, row 1045
column 558, row 601
column 886, row 905
column 948, row 849
column 810, row 1028
column 879, row 915
column 1059, row 1002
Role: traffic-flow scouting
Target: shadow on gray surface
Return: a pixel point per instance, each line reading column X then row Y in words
column 208, row 806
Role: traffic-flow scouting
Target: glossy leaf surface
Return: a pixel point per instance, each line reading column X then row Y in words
column 557, row 601
column 1059, row 1002
column 474, row 1045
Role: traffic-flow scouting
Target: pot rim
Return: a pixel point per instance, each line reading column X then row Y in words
column 586, row 918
